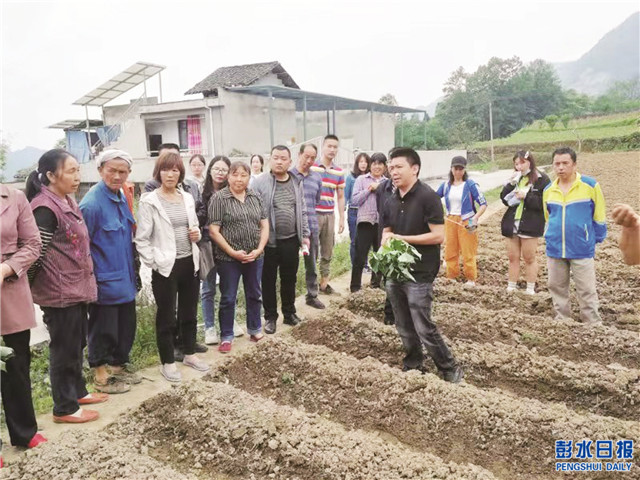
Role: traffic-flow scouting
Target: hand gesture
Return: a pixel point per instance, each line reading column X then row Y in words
column 194, row 234
column 373, row 187
column 625, row 216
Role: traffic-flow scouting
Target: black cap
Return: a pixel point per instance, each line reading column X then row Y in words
column 459, row 161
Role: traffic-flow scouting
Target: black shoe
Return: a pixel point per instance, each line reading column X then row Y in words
column 315, row 303
column 389, row 321
column 292, row 320
column 178, row 355
column 270, row 326
column 355, row 289
column 201, row 348
column 421, row 368
column 454, row 375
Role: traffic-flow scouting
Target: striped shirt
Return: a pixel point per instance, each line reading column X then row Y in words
column 284, row 209
column 177, row 214
column 312, row 186
column 332, row 179
column 239, row 221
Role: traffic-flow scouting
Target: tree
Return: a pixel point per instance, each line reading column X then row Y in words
column 388, row 99
column 551, row 120
column 518, row 93
column 565, row 119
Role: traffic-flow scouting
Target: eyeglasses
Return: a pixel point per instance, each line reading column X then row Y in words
column 220, row 170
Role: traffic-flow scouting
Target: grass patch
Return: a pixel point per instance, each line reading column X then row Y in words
column 618, row 125
column 493, row 194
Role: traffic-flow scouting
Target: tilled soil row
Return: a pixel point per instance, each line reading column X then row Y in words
column 84, row 455
column 618, row 285
column 568, row 340
column 613, row 391
column 210, row 426
column 510, row 436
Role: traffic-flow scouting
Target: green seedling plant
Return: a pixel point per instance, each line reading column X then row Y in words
column 394, row 260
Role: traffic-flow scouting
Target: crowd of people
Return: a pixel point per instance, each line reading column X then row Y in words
column 228, row 221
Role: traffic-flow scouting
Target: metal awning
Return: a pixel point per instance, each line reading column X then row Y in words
column 76, row 124
column 136, row 74
column 313, row 102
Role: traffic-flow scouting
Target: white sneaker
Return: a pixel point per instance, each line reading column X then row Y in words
column 170, row 372
column 211, row 336
column 237, row 330
column 530, row 292
column 470, row 283
column 195, row 363
column 511, row 289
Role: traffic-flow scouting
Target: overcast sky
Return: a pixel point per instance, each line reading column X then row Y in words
column 53, row 52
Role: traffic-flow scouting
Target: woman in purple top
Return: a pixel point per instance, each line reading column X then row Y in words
column 364, row 198
column 62, row 281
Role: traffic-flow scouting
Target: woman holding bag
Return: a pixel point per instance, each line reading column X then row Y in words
column 523, row 222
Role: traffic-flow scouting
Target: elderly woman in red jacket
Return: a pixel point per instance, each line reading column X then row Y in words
column 20, row 241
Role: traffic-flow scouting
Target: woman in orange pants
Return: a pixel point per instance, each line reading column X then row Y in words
column 461, row 196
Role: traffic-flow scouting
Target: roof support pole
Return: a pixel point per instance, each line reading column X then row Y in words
column 86, row 111
column 160, row 84
column 371, row 125
column 328, row 130
column 425, row 130
column 304, row 118
column 271, row 135
column 402, row 129
column 334, row 117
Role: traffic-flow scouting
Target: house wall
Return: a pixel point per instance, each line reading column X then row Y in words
column 132, row 139
column 244, row 122
column 352, row 127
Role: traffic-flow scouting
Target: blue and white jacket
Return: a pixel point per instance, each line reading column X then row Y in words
column 471, row 195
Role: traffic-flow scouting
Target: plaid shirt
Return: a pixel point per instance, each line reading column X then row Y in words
column 365, row 200
column 312, row 186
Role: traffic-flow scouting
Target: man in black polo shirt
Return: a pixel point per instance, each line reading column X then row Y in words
column 414, row 214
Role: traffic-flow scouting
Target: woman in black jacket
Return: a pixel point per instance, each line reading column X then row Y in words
column 523, row 222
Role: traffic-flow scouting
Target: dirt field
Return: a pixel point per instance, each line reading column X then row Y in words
column 329, row 401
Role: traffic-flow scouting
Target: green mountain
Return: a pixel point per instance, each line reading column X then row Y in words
column 616, row 57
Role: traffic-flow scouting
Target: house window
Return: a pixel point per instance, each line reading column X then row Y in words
column 183, row 134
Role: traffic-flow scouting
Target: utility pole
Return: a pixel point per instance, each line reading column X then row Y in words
column 491, row 130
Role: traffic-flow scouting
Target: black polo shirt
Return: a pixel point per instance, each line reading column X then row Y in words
column 411, row 215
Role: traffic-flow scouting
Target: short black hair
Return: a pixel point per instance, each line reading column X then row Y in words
column 565, row 151
column 305, row 145
column 379, row 157
column 331, row 136
column 409, row 153
column 168, row 146
column 281, row 148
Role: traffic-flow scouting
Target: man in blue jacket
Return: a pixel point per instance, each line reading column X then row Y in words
column 576, row 220
column 112, row 319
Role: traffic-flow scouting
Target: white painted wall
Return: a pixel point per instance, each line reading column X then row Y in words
column 245, row 123
column 352, row 126
column 437, row 163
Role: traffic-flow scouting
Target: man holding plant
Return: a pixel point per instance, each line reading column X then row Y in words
column 414, row 215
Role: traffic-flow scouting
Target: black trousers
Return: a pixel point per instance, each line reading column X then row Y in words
column 366, row 238
column 112, row 329
column 68, row 331
column 16, row 390
column 285, row 256
column 182, row 286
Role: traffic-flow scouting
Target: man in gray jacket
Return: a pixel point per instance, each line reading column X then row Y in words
column 283, row 200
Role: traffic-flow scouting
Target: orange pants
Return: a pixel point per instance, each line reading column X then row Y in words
column 458, row 239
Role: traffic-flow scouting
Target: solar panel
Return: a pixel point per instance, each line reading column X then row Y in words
column 120, row 83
